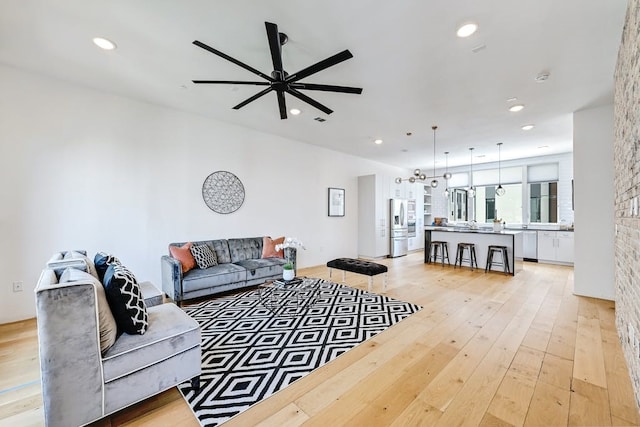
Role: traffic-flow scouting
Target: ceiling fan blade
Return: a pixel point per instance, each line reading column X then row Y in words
column 301, row 96
column 253, row 98
column 230, row 82
column 230, row 59
column 319, row 66
column 326, row 88
column 282, row 104
column 275, row 47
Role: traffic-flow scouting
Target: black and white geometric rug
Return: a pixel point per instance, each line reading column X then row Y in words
column 248, row 353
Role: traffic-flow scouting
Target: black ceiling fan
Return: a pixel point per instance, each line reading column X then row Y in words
column 279, row 80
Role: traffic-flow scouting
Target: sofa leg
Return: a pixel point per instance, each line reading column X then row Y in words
column 195, row 383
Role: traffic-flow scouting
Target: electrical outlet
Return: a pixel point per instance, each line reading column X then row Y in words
column 17, row 286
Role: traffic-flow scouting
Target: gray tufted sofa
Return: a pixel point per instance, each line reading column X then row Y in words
column 240, row 264
column 79, row 383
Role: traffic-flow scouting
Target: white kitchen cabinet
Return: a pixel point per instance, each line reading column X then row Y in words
column 555, row 247
column 546, row 245
column 417, row 242
column 412, row 190
column 373, row 213
column 565, row 246
column 398, row 191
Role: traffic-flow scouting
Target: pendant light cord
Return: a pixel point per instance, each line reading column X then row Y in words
column 499, row 167
column 471, row 165
column 434, row 127
column 446, row 166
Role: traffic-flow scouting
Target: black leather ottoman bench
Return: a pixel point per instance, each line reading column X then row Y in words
column 361, row 267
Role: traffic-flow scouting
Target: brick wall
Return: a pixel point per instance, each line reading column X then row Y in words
column 627, row 187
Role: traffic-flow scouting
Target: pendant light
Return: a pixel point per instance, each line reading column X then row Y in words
column 446, row 175
column 500, row 190
column 471, row 192
column 417, row 173
column 434, row 181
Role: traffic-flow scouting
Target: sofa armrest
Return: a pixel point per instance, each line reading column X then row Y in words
column 171, row 278
column 69, row 341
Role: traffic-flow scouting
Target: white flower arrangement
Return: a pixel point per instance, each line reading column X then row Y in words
column 289, row 242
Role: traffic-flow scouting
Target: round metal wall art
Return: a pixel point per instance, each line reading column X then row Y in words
column 223, row 192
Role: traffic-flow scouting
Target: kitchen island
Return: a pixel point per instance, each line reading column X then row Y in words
column 482, row 238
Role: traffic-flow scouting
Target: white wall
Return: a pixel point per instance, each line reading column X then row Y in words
column 594, row 201
column 82, row 169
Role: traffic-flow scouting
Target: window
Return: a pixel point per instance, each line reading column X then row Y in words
column 508, row 208
column 458, row 205
column 543, row 202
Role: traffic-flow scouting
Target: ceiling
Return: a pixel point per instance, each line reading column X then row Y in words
column 414, row 71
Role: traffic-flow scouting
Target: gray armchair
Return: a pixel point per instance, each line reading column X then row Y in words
column 81, row 385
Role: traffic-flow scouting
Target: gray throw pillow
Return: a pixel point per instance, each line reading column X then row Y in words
column 106, row 321
column 75, row 255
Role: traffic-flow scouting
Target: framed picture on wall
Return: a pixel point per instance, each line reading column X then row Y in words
column 336, row 201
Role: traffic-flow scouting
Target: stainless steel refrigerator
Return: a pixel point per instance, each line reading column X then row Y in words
column 399, row 227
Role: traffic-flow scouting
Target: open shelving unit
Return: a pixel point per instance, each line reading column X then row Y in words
column 427, row 205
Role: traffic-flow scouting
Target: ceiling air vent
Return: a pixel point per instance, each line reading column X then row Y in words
column 479, row 48
column 319, row 119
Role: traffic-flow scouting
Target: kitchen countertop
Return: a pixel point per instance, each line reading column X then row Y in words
column 482, row 239
column 468, row 230
column 542, row 229
column 513, row 227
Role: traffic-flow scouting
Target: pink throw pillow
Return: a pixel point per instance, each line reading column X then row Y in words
column 183, row 254
column 269, row 247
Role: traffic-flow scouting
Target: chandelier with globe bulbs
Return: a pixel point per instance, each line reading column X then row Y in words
column 418, row 175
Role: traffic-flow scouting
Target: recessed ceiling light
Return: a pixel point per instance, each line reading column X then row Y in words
column 378, row 141
column 104, row 43
column 528, row 127
column 467, row 29
column 513, row 99
column 516, row 107
column 295, row 111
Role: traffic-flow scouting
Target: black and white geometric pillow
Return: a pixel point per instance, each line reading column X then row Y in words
column 125, row 300
column 204, row 256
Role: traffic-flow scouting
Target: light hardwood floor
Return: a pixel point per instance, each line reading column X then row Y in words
column 486, row 350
